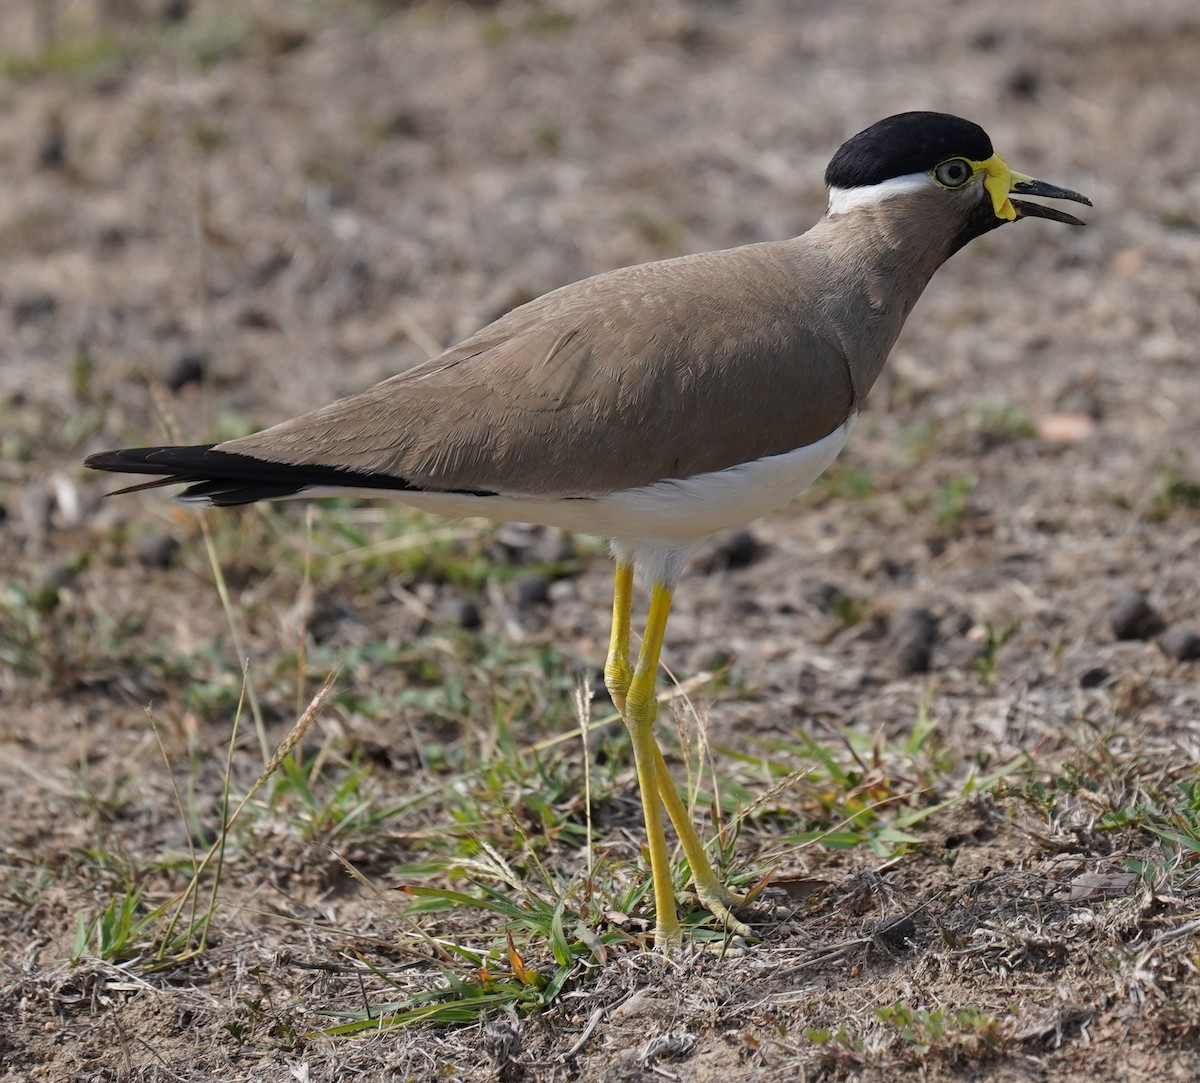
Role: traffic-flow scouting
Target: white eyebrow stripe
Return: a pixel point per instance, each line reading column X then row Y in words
column 846, row 199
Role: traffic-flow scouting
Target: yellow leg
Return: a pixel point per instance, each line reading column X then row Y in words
column 617, row 671
column 709, row 889
column 640, row 708
column 633, row 694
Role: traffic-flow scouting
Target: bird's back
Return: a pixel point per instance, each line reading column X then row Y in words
column 659, row 371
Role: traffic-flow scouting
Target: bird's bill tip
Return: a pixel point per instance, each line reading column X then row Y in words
column 1025, row 209
column 1027, row 186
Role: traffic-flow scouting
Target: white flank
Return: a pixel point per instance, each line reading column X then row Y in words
column 658, row 525
column 846, row 199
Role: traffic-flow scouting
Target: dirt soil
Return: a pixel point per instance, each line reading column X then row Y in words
column 221, row 221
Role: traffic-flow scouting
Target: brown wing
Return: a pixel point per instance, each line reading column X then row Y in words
column 665, row 370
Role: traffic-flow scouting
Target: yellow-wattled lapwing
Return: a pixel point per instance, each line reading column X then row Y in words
column 653, row 405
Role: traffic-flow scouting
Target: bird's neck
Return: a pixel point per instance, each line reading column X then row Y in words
column 874, row 268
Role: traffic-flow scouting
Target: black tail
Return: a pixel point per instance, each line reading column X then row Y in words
column 224, row 479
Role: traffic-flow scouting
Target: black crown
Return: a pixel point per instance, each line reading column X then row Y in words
column 905, row 143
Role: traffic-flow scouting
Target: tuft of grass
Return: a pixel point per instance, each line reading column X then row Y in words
column 324, row 807
column 208, row 138
column 1004, row 422
column 494, row 31
column 660, row 232
column 52, row 634
column 952, row 501
column 845, row 480
column 536, row 942
column 917, row 440
column 203, row 41
column 1170, row 816
column 549, row 138
column 126, row 931
column 1175, row 489
column 549, row 21
column 986, row 662
column 1103, row 789
column 76, row 56
column 207, row 41
column 942, row 1030
column 848, row 609
column 866, row 793
column 24, row 885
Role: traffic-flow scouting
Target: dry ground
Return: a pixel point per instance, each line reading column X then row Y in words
column 991, row 865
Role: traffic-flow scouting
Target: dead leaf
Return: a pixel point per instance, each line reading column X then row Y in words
column 1100, row 885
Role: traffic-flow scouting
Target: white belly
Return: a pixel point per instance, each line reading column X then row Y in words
column 658, row 525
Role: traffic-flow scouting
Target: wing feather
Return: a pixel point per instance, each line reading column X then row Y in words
column 665, row 370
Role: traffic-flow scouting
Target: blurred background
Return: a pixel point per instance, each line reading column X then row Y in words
column 215, row 215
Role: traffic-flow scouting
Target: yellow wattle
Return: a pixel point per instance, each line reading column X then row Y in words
column 999, row 182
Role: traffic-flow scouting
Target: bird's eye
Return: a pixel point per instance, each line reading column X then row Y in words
column 954, row 173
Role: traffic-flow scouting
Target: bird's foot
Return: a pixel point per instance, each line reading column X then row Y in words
column 721, row 902
column 726, row 905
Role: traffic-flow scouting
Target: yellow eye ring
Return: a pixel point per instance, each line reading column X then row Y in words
column 953, row 173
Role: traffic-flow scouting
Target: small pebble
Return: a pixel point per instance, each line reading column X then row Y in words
column 987, row 40
column 517, row 541
column 187, row 369
column 555, row 547
column 461, row 612
column 1181, row 642
column 155, row 550
column 598, row 693
column 57, row 576
column 532, row 591
column 1093, row 676
column 256, row 319
column 37, row 306
column 823, row 595
column 914, row 632
column 52, row 154
column 875, row 563
column 897, row 932
column 1133, row 617
column 1023, row 83
column 523, row 544
column 733, row 549
column 112, row 236
column 36, row 507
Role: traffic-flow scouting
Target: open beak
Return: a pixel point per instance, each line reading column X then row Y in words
column 999, row 181
column 1029, row 187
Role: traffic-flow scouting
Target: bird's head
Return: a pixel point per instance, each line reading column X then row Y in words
column 941, row 173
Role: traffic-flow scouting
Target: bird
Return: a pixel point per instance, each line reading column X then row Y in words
column 654, row 405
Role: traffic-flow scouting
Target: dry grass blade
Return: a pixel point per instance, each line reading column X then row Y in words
column 260, row 727
column 188, row 897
